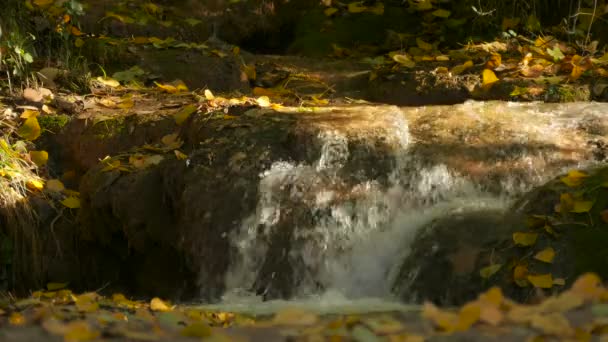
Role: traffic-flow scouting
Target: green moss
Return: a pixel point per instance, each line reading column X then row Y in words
column 53, row 123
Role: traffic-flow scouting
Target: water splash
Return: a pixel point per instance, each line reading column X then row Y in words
column 346, row 237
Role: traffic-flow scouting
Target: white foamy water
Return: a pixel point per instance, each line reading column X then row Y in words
column 346, row 239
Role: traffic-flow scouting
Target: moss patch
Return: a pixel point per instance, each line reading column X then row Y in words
column 53, row 123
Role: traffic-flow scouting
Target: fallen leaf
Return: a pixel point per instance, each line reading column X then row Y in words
column 183, row 114
column 30, row 130
column 263, row 101
column 180, row 155
column 543, row 281
column 488, row 78
column 524, row 239
column 553, row 324
column 40, row 158
column 459, row 69
column 574, row 178
column 404, row 60
column 34, row 184
column 581, row 206
column 209, row 95
column 108, row 81
column 54, row 185
column 495, row 61
column 546, row 255
column 16, row 318
column 157, row 304
column 71, row 202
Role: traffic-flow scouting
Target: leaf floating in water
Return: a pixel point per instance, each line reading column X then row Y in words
column 489, row 271
column 524, row 239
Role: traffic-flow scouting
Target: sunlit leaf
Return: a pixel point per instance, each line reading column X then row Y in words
column 556, row 53
column 108, row 81
column 263, row 101
column 30, row 130
column 546, row 255
column 404, row 60
column 34, row 184
column 543, row 281
column 157, row 304
column 494, row 61
column 524, row 239
column 71, row 202
column 459, row 69
column 488, row 78
column 574, row 178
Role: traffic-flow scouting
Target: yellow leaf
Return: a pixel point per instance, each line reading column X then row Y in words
column 459, row 69
column 489, row 271
column 546, row 255
column 71, row 202
column 356, row 7
column 108, row 81
column 330, row 11
column 30, row 130
column 524, row 239
column 157, row 304
column 209, row 95
column 582, row 207
column 126, row 104
column 54, row 185
column 543, row 281
column 588, row 286
column 40, row 158
column 468, row 315
column 180, row 155
column 442, row 58
column 197, row 329
column 441, row 13
column 263, row 101
column 495, row 61
column 183, row 114
column 170, row 88
column 424, row 45
column 249, row 71
column 28, row 113
column 489, row 78
column 404, row 60
column 34, row 184
column 574, row 178
column 87, row 302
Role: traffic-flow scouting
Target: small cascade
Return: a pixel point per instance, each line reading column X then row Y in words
column 323, row 227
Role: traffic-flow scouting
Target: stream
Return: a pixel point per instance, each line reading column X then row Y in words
column 343, row 234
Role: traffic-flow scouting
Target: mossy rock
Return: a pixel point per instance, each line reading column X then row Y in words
column 450, row 258
column 53, row 123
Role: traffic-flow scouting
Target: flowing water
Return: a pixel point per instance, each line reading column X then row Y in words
column 344, row 240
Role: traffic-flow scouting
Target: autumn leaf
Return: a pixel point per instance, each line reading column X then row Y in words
column 581, row 206
column 574, row 178
column 183, row 114
column 263, row 101
column 404, row 60
column 30, row 130
column 546, row 255
column 488, row 78
column 40, row 158
column 543, row 281
column 330, row 11
column 54, row 185
column 495, row 61
column 71, row 202
column 459, row 69
column 34, row 184
column 157, row 304
column 524, row 239
column 108, row 81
